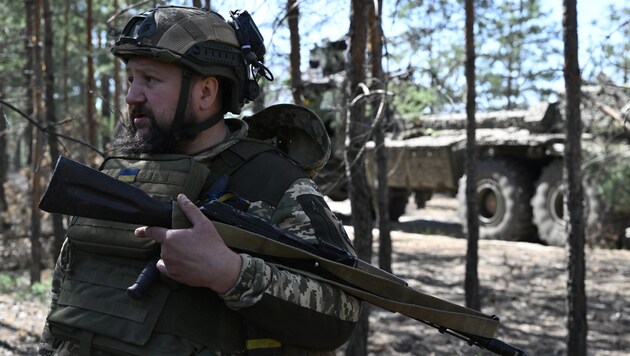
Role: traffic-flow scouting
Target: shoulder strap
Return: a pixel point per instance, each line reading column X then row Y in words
column 257, row 170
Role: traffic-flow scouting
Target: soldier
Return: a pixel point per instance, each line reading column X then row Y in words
column 188, row 67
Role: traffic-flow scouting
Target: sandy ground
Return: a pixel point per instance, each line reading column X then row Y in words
column 524, row 284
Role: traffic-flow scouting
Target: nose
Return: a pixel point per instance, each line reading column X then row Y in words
column 135, row 95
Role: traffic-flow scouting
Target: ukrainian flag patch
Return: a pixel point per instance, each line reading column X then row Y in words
column 128, row 175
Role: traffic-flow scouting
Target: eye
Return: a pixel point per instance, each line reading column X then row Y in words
column 130, row 79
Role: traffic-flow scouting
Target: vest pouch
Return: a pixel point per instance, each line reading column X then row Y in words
column 105, row 237
column 94, row 299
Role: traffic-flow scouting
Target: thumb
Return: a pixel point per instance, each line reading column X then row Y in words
column 192, row 212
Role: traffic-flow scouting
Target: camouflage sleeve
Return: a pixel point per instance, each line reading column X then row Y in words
column 47, row 344
column 280, row 301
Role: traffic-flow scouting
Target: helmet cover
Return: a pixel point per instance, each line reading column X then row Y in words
column 193, row 37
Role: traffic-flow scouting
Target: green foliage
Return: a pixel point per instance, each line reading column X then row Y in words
column 519, row 54
column 609, row 174
column 433, row 51
column 612, row 55
column 408, row 98
column 517, row 46
column 18, row 285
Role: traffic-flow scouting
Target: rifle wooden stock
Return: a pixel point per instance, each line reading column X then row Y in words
column 76, row 189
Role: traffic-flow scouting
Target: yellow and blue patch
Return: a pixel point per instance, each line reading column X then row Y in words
column 128, row 175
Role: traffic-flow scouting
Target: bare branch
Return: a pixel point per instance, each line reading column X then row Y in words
column 47, row 130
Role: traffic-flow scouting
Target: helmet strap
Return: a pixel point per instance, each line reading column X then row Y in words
column 190, row 131
column 177, row 129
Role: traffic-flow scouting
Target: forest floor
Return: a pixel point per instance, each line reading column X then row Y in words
column 523, row 283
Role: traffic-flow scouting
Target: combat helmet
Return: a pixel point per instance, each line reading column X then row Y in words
column 204, row 44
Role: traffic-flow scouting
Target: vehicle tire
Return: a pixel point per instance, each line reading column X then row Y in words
column 398, row 199
column 421, row 197
column 548, row 207
column 504, row 189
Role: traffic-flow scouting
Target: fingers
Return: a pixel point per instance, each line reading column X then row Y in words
column 194, row 215
column 161, row 266
column 156, row 233
column 192, row 212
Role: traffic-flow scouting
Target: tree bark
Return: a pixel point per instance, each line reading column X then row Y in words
column 89, row 86
column 576, row 292
column 357, row 131
column 65, row 62
column 471, row 283
column 33, row 12
column 29, row 44
column 51, row 118
column 293, row 16
column 4, row 167
column 379, row 109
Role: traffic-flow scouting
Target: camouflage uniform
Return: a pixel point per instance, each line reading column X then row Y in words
column 258, row 278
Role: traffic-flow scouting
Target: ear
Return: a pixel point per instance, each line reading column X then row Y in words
column 207, row 89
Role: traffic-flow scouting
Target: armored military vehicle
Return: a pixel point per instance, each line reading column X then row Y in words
column 519, row 171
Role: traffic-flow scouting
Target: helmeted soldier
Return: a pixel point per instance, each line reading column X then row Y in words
column 187, row 68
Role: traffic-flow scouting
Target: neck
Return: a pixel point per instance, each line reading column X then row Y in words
column 207, row 138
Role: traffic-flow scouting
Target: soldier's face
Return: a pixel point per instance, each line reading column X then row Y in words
column 153, row 93
column 152, row 99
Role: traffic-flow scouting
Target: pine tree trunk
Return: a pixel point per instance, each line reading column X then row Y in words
column 471, row 283
column 293, row 16
column 357, row 130
column 576, row 292
column 37, row 148
column 51, row 118
column 379, row 111
column 89, row 86
column 4, row 167
column 29, row 44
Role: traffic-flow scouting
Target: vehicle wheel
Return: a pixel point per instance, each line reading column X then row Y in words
column 504, row 189
column 422, row 197
column 548, row 207
column 398, row 199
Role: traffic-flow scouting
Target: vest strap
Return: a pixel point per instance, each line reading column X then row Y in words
column 85, row 344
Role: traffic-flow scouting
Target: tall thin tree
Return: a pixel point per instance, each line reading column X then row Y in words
column 293, row 17
column 471, row 283
column 29, row 50
column 379, row 111
column 357, row 131
column 37, row 144
column 117, row 80
column 65, row 64
column 576, row 292
column 90, row 86
column 51, row 115
column 4, row 166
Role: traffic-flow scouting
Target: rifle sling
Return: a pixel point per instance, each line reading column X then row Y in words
column 377, row 290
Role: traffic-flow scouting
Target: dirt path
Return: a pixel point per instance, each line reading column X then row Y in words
column 524, row 284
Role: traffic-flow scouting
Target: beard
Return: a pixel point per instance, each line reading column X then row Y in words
column 157, row 141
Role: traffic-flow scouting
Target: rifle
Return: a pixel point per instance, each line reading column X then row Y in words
column 76, row 189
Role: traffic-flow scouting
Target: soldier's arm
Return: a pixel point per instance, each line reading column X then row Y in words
column 290, row 306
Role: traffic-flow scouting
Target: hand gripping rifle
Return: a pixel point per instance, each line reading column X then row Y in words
column 78, row 190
